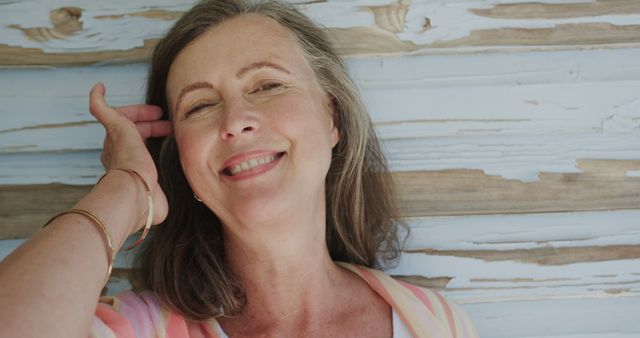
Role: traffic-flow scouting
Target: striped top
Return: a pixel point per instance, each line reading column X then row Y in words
column 400, row 329
column 424, row 312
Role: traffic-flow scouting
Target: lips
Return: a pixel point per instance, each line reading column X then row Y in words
column 250, row 162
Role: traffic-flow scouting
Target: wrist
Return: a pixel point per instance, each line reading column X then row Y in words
column 120, row 201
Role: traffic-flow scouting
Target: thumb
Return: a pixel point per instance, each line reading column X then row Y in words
column 99, row 107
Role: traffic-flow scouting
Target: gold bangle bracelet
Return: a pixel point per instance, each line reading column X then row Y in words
column 147, row 226
column 111, row 252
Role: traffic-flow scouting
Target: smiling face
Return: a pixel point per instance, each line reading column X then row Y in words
column 253, row 127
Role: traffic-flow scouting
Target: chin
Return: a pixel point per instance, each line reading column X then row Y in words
column 261, row 210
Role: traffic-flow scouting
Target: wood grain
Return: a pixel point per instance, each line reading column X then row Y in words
column 540, row 10
column 24, row 209
column 581, row 34
column 65, row 20
column 603, row 185
column 19, row 56
column 545, row 256
column 160, row 14
column 359, row 42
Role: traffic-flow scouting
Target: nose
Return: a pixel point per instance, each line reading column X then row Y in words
column 239, row 120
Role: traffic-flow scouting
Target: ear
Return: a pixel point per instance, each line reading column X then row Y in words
column 333, row 111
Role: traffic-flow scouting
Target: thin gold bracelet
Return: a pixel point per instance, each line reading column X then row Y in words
column 147, row 226
column 111, row 252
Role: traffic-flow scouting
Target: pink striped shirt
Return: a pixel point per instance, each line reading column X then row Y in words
column 424, row 312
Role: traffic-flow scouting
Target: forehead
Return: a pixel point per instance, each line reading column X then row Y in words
column 231, row 45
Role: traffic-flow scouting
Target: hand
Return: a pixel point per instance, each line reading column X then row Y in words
column 124, row 144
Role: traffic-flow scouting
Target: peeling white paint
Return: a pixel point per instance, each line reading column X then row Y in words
column 521, row 232
column 511, row 115
column 571, row 318
column 449, row 21
column 455, row 20
column 97, row 34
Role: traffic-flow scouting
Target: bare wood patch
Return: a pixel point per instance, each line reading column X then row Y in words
column 391, row 17
column 602, row 186
column 520, row 280
column 50, row 125
column 560, row 35
column 24, row 209
column 160, row 14
column 368, row 41
column 65, row 20
column 22, row 147
column 355, row 41
column 538, row 10
column 435, row 283
column 123, row 274
column 19, row 56
column 615, row 291
column 545, row 256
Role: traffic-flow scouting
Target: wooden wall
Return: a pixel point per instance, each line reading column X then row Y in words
column 512, row 128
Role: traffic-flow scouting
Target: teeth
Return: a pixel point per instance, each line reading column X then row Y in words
column 254, row 162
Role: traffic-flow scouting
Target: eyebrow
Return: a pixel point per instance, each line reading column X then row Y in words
column 258, row 65
column 241, row 72
column 190, row 87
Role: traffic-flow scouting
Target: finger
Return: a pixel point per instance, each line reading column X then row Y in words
column 141, row 112
column 98, row 106
column 154, row 129
column 104, row 154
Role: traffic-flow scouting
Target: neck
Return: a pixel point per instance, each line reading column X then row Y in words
column 286, row 270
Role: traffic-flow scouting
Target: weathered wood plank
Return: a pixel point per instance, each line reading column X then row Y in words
column 542, row 10
column 548, row 255
column 560, row 35
column 19, row 56
column 603, row 185
column 82, row 32
column 433, row 24
column 459, row 248
column 512, row 115
column 570, row 318
column 24, row 209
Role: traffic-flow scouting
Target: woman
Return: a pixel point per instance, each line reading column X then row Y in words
column 277, row 202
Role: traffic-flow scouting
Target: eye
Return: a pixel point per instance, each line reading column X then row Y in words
column 268, row 86
column 198, row 108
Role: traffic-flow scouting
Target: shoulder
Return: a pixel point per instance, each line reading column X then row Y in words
column 448, row 313
column 136, row 315
column 425, row 311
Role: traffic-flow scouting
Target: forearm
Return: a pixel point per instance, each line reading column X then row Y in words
column 50, row 285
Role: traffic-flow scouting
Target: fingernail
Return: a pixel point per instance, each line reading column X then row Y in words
column 98, row 86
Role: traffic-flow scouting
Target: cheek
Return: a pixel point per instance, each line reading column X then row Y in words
column 309, row 127
column 304, row 118
column 191, row 147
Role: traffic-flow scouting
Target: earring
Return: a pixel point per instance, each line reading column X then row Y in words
column 196, row 197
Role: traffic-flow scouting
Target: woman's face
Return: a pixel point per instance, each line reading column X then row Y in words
column 253, row 128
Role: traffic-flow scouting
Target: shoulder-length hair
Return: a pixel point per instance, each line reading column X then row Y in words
column 184, row 261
